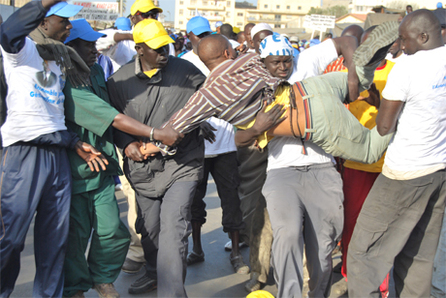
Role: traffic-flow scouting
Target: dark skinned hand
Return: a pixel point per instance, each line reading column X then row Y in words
column 208, row 131
column 168, row 136
column 95, row 160
column 373, row 99
column 133, row 152
column 267, row 120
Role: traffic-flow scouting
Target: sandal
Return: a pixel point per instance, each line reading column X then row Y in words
column 239, row 266
column 193, row 258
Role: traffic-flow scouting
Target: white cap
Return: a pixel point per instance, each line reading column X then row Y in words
column 260, row 27
column 275, row 45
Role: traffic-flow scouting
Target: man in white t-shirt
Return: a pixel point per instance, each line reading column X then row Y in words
column 400, row 221
column 35, row 167
column 221, row 162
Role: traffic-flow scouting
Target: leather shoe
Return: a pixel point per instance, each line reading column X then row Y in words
column 131, row 266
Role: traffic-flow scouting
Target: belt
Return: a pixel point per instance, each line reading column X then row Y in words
column 299, row 93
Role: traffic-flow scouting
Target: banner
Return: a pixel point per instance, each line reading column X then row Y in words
column 98, row 11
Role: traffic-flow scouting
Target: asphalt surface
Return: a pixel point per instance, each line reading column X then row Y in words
column 212, row 278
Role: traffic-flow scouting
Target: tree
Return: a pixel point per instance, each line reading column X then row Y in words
column 337, row 11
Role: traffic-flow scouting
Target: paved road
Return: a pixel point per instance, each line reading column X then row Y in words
column 212, row 278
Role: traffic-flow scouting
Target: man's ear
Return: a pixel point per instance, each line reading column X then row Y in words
column 226, row 54
column 44, row 23
column 424, row 37
column 138, row 49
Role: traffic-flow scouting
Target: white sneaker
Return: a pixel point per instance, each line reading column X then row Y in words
column 228, row 246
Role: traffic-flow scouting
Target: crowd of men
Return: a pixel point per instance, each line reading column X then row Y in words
column 252, row 108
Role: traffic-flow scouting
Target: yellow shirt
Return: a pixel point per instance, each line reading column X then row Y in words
column 282, row 96
column 366, row 114
column 151, row 73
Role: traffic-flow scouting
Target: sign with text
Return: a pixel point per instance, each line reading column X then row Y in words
column 98, row 11
column 317, row 21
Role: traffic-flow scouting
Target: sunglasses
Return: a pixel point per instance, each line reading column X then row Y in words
column 153, row 14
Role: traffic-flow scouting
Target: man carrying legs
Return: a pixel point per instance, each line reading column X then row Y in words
column 150, row 89
column 400, row 221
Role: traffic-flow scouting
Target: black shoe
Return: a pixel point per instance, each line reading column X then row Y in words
column 253, row 284
column 131, row 266
column 143, row 285
column 375, row 47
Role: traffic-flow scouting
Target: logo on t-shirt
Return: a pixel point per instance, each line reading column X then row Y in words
column 46, row 77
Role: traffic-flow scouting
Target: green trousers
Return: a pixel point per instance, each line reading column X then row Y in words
column 94, row 213
column 331, row 126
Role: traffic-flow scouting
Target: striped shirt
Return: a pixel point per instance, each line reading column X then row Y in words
column 234, row 91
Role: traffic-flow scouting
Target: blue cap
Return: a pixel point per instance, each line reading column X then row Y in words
column 64, row 10
column 81, row 29
column 123, row 23
column 198, row 25
column 439, row 5
column 218, row 24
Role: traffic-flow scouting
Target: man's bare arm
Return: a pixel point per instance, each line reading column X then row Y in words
column 264, row 122
column 346, row 46
column 388, row 116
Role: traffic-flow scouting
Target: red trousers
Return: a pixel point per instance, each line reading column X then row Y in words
column 357, row 185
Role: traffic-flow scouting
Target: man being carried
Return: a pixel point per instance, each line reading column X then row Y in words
column 236, row 91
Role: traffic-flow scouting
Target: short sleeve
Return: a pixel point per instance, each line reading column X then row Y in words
column 397, row 83
column 86, row 109
column 313, row 61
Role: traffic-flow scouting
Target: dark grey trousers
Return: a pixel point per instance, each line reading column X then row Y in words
column 399, row 225
column 305, row 207
column 165, row 226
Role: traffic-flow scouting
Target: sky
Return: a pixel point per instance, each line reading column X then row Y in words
column 167, row 5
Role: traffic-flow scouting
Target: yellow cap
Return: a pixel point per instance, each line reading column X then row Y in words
column 143, row 6
column 236, row 30
column 152, row 33
column 260, row 294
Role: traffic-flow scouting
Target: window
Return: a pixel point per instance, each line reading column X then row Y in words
column 266, row 5
column 277, row 26
column 277, row 17
column 239, row 24
column 205, row 3
column 228, row 14
column 181, row 22
column 240, row 14
column 228, row 3
column 299, row 7
column 181, row 2
column 278, row 6
column 288, row 7
column 181, row 12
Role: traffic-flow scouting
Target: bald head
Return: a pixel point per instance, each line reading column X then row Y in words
column 214, row 49
column 366, row 34
column 420, row 30
column 353, row 30
column 226, row 30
